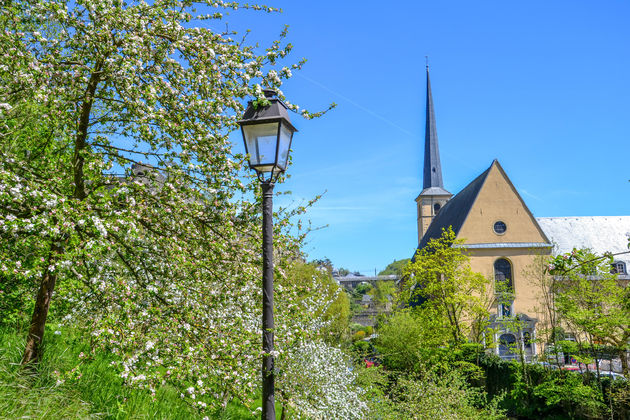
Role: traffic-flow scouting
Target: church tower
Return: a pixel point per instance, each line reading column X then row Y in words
column 433, row 195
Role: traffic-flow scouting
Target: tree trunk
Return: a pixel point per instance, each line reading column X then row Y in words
column 82, row 133
column 32, row 352
column 623, row 356
column 599, row 378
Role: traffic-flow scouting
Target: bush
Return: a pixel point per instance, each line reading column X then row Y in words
column 567, row 394
column 544, row 392
column 359, row 335
column 362, row 350
column 619, row 399
column 447, row 396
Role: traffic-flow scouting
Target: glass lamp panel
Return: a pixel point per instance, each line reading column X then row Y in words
column 283, row 146
column 261, row 141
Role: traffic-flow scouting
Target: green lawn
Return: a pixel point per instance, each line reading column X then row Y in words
column 67, row 386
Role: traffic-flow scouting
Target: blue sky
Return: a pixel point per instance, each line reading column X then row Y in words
column 542, row 86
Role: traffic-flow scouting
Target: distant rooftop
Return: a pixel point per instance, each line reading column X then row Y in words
column 598, row 233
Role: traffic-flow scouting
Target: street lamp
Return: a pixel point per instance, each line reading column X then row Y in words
column 267, row 134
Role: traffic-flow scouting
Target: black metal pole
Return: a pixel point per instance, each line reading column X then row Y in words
column 268, row 404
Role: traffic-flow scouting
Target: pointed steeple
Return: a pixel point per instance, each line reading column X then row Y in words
column 433, row 195
column 432, row 175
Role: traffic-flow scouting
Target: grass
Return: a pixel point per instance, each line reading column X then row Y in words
column 66, row 386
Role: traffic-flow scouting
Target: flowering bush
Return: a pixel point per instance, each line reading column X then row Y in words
column 317, row 382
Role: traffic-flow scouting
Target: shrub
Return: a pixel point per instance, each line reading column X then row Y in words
column 359, row 335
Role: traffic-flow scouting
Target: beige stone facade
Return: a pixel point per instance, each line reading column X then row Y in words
column 503, row 240
column 428, row 207
column 498, row 201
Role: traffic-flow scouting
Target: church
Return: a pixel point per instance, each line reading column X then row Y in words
column 503, row 238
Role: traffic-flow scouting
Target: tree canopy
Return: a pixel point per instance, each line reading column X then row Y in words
column 120, row 192
column 396, row 267
column 441, row 279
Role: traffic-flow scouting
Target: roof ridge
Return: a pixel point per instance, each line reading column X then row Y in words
column 518, row 196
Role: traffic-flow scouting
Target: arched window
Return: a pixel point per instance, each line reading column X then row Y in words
column 618, row 267
column 436, row 208
column 503, row 274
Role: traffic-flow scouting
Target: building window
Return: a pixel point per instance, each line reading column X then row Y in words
column 499, row 227
column 503, row 275
column 618, row 267
column 505, row 310
column 507, row 344
column 436, row 208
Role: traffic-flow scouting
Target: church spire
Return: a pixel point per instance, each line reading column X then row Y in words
column 433, row 195
column 432, row 176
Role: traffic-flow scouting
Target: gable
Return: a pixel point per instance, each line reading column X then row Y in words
column 455, row 211
column 498, row 200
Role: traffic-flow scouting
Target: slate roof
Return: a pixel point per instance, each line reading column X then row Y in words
column 455, row 210
column 598, row 233
column 435, row 191
column 432, row 174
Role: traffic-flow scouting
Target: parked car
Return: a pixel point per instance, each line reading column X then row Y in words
column 613, row 375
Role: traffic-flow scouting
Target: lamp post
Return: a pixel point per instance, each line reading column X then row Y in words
column 267, row 133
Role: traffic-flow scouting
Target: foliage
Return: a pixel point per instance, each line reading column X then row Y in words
column 445, row 396
column 384, row 293
column 441, row 278
column 429, row 396
column 571, row 395
column 552, row 393
column 377, row 383
column 619, row 399
column 160, row 266
column 361, row 350
column 336, row 314
column 592, row 301
column 548, row 328
column 16, row 300
column 343, row 272
column 362, row 289
column 397, row 267
column 323, row 264
column 72, row 382
column 412, row 340
column 318, row 383
column 359, row 335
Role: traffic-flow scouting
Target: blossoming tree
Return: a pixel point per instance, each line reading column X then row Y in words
column 160, row 264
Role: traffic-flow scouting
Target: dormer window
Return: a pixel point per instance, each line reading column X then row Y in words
column 618, row 267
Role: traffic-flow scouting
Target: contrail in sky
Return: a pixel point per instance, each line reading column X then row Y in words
column 361, row 107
